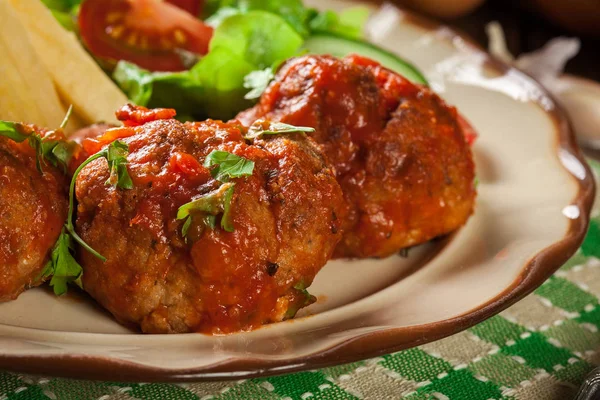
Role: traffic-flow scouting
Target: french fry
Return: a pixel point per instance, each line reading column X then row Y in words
column 79, row 80
column 27, row 93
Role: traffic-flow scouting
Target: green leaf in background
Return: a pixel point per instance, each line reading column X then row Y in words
column 348, row 23
column 178, row 90
column 137, row 83
column 215, row 85
column 257, row 82
column 65, row 12
column 221, row 74
column 292, row 11
column 259, row 37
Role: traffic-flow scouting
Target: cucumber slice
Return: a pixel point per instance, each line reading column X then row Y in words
column 326, row 43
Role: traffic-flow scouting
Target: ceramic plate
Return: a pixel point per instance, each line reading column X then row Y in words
column 535, row 195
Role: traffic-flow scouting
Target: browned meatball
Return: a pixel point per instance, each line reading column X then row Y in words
column 399, row 152
column 33, row 209
column 284, row 217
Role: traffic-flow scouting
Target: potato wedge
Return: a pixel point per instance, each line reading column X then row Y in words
column 27, row 92
column 79, row 80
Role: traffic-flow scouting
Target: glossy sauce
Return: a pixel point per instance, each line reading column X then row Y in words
column 399, row 151
column 216, row 281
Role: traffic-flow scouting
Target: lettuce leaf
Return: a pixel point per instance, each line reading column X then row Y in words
column 65, row 12
column 251, row 39
column 304, row 20
column 349, row 23
column 215, row 85
column 261, row 38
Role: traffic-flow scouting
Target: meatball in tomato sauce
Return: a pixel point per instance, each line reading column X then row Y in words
column 247, row 247
column 33, row 210
column 401, row 157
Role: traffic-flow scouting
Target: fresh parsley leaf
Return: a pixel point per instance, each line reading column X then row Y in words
column 57, row 152
column 224, row 165
column 301, row 286
column 12, row 131
column 65, row 120
column 209, row 206
column 211, row 220
column 257, row 81
column 186, row 226
column 226, row 222
column 308, row 299
column 116, row 155
column 262, row 127
column 62, row 265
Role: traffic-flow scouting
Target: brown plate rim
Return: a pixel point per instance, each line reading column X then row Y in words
column 539, row 268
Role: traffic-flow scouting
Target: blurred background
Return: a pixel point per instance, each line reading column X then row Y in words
column 528, row 24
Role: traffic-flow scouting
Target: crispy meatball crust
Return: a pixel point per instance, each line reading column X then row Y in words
column 33, row 209
column 399, row 153
column 285, row 219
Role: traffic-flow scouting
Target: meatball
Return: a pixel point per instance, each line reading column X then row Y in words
column 399, row 152
column 284, row 218
column 33, row 210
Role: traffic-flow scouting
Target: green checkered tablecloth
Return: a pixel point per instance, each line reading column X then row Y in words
column 540, row 348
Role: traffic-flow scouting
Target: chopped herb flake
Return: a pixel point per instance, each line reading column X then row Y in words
column 224, row 165
column 262, row 127
column 209, row 206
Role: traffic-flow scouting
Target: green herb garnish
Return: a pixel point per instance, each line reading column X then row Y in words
column 116, row 155
column 209, row 206
column 259, row 129
column 62, row 266
column 224, row 165
column 308, row 300
column 56, row 152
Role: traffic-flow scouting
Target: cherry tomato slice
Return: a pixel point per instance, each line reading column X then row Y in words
column 148, row 33
column 194, row 7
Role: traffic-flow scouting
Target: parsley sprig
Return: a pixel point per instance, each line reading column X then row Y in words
column 62, row 265
column 223, row 166
column 262, row 127
column 210, row 205
column 116, row 155
column 56, row 152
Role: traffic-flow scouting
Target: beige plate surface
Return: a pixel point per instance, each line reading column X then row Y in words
column 535, row 193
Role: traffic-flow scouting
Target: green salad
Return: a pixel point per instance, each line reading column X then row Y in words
column 223, row 53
